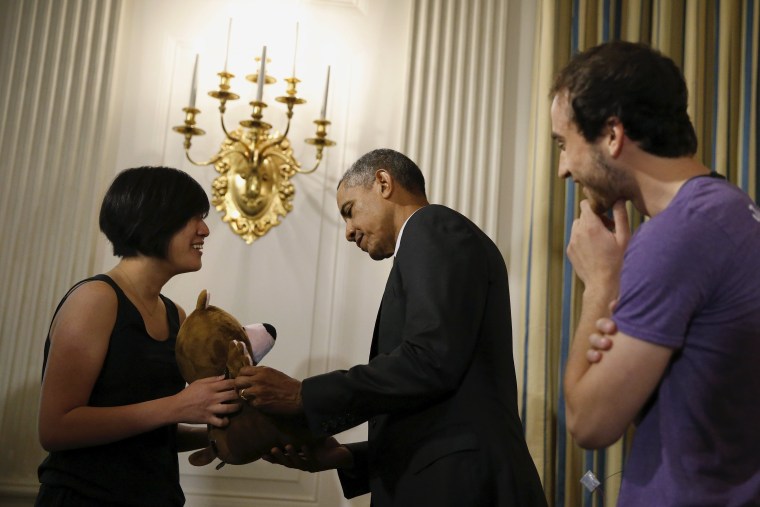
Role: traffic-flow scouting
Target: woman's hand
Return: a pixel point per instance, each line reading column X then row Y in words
column 206, row 401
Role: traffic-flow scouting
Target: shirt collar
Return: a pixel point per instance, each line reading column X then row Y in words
column 401, row 232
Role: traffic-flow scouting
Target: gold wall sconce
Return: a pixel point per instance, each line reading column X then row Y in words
column 255, row 164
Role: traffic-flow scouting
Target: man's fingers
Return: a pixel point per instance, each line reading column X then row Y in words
column 606, row 326
column 249, row 371
column 620, row 214
column 287, row 456
column 599, row 342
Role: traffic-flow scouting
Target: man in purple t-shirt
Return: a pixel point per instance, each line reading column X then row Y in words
column 685, row 287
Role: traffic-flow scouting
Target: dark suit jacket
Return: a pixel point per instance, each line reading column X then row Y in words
column 439, row 390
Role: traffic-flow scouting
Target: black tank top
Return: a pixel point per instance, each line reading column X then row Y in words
column 142, row 470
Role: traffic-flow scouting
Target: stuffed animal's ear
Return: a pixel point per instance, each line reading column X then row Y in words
column 202, row 457
column 262, row 337
column 203, row 300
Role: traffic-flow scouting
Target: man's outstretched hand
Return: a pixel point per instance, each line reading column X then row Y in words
column 269, row 390
column 316, row 458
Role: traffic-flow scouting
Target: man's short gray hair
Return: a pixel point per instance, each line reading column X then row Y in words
column 401, row 168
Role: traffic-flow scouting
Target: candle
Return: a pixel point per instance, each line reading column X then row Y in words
column 324, row 102
column 262, row 74
column 227, row 53
column 194, row 87
column 295, row 52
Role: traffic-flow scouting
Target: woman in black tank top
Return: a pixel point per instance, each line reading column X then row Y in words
column 112, row 395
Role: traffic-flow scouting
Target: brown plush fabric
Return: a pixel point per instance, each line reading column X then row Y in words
column 204, row 339
column 212, row 342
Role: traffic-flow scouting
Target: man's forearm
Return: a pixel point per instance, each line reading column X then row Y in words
column 597, row 254
column 595, row 305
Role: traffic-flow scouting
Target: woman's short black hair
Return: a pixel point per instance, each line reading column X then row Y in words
column 145, row 206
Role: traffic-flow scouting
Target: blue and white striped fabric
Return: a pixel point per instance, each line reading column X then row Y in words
column 715, row 42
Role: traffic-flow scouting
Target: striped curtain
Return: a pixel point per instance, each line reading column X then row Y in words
column 55, row 99
column 715, row 43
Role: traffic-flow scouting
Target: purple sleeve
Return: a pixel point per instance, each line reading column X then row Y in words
column 670, row 268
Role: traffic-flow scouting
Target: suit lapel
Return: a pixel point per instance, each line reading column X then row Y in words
column 388, row 296
column 375, row 333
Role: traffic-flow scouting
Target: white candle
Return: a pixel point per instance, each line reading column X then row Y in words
column 262, row 75
column 194, row 87
column 295, row 52
column 227, row 53
column 324, row 102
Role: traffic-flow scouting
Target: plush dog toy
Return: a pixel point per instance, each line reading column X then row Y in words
column 212, row 342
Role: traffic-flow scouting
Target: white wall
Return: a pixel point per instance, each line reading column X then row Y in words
column 319, row 291
column 299, row 275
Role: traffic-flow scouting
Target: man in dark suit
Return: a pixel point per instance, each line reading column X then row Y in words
column 439, row 391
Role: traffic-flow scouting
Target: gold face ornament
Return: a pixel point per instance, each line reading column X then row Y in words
column 253, row 195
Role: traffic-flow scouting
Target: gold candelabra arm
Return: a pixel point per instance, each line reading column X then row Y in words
column 286, row 158
column 227, row 134
column 280, row 139
column 260, row 129
column 290, row 99
column 223, row 94
column 210, row 161
column 287, row 129
column 320, row 142
column 216, row 158
column 256, row 123
column 188, row 129
column 264, row 147
column 316, row 165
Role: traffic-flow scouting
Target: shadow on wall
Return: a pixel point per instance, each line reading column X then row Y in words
column 20, row 450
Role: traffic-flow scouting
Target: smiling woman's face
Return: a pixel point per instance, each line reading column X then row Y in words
column 186, row 246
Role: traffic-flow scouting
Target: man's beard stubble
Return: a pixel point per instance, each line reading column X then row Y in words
column 608, row 187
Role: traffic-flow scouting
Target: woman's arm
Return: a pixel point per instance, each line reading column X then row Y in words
column 190, row 437
column 78, row 344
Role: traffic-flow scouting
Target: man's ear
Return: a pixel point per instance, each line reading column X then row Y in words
column 615, row 136
column 385, row 182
